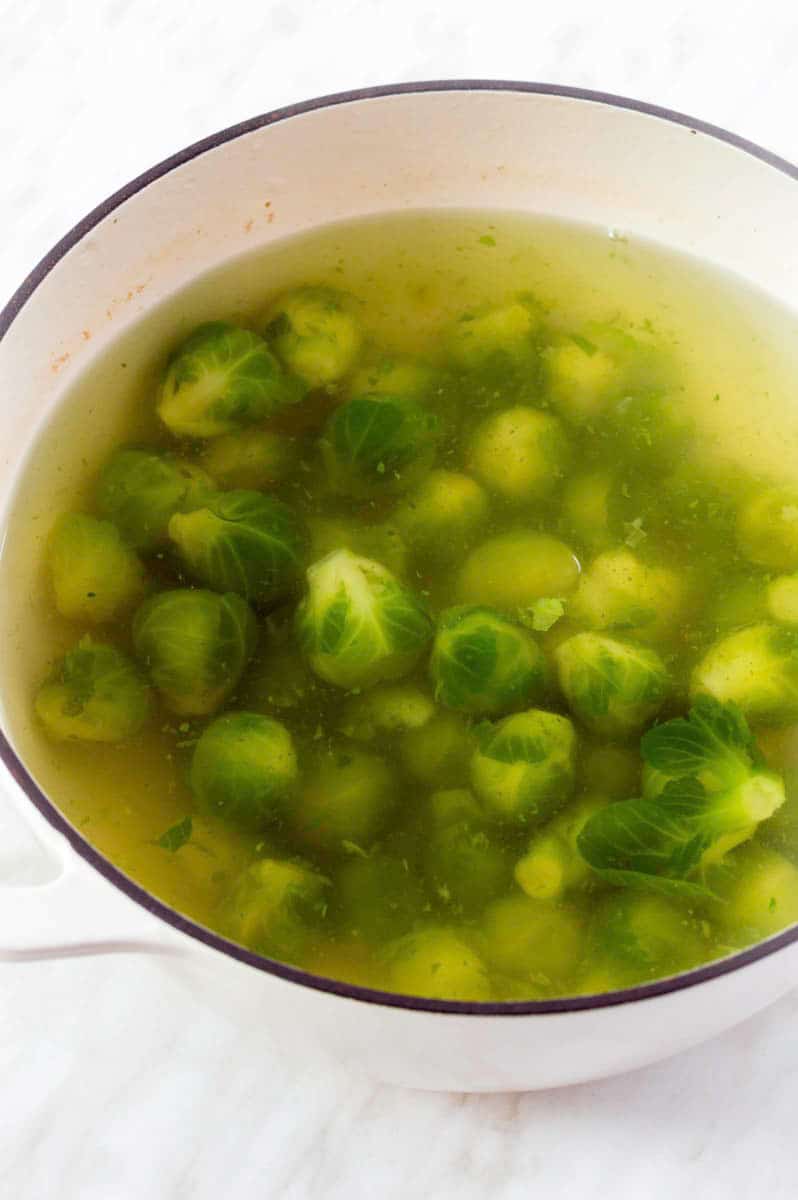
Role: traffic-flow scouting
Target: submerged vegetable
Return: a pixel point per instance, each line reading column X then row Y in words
column 242, row 542
column 378, row 443
column 95, row 575
column 443, row 514
column 523, row 770
column 222, row 378
column 346, row 800
column 244, row 768
column 141, row 490
column 250, row 458
column 521, row 454
column 614, row 687
column 95, row 694
column 756, row 669
column 533, row 940
column 315, row 332
column 195, row 646
column 276, row 908
column 465, row 865
column 513, row 570
column 618, row 591
column 494, row 337
column 552, row 866
column 484, row 664
column 358, row 625
column 436, row 962
column 705, row 791
column 767, row 529
column 639, row 937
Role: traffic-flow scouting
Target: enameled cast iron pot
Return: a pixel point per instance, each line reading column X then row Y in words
column 515, row 146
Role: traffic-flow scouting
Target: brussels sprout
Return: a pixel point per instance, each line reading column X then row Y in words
column 276, row 908
column 378, row 443
column 553, row 866
column 581, row 378
column 757, row 669
column 358, row 625
column 221, row 379
column 613, row 687
column 278, row 678
column 482, row 663
column 494, row 336
column 757, row 892
column 382, row 542
column 244, row 768
column 391, row 376
column 767, row 529
column 443, row 514
column 618, row 591
column 390, row 709
column 533, row 939
column 585, row 509
column 523, row 770
column 316, row 334
column 612, row 771
column 521, row 454
column 379, row 896
column 464, row 866
column 642, row 937
column 437, row 963
column 439, row 751
column 781, row 598
column 95, row 575
column 195, row 645
column 95, row 694
column 140, row 490
column 251, row 459
column 515, row 569
column 345, row 800
column 242, row 542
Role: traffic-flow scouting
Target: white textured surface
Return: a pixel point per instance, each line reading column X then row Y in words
column 109, row 1088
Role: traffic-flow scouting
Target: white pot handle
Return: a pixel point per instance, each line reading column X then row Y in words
column 77, row 913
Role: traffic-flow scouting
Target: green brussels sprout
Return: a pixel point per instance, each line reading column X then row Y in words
column 757, row 894
column 379, row 896
column 523, row 770
column 443, row 514
column 464, row 865
column 533, row 939
column 95, row 575
column 387, row 710
column 613, row 687
column 585, row 512
column 358, row 625
column 344, row 801
column 244, row 768
column 378, row 443
column 394, row 376
column 611, row 771
column 141, row 490
column 757, row 669
column 781, row 598
column 640, row 937
column 277, row 908
column 195, row 646
column 95, row 694
column 581, row 377
column 767, row 529
column 482, row 663
column 254, row 459
column 513, row 570
column 382, row 542
column 439, row 752
column 222, row 378
column 618, row 591
column 521, row 454
column 493, row 336
column 604, row 371
column 552, row 866
column 437, row 963
column 242, row 542
column 316, row 334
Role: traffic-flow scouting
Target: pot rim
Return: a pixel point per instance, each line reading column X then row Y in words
column 135, row 891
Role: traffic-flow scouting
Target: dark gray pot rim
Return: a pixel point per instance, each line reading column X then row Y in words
column 142, row 897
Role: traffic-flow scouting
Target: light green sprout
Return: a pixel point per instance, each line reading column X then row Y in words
column 513, row 570
column 439, row 751
column 95, row 575
column 534, row 940
column 244, row 768
column 443, row 514
column 254, row 459
column 618, row 591
column 436, row 962
column 552, row 866
column 755, row 668
column 523, row 770
column 477, row 340
column 140, row 491
column 387, row 710
column 520, row 454
column 95, row 694
column 277, row 908
column 767, row 529
column 613, row 687
column 377, row 443
column 316, row 334
column 345, row 801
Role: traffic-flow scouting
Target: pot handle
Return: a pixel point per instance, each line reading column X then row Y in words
column 77, row 913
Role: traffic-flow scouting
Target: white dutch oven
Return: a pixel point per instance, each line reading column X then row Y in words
column 514, row 146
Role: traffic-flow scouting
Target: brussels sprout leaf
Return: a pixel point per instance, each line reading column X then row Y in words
column 177, row 835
